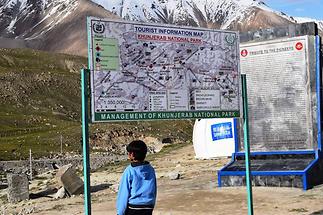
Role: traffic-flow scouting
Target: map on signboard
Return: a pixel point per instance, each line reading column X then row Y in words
column 143, row 67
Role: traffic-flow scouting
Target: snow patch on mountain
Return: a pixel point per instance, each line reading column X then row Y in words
column 11, row 26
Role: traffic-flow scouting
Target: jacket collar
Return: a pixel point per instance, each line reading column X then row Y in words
column 134, row 164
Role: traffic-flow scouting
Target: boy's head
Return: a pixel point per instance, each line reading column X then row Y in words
column 138, row 149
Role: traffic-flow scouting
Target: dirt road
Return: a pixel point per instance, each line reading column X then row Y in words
column 195, row 193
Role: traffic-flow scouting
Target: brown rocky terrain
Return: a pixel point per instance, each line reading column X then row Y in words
column 260, row 19
column 71, row 35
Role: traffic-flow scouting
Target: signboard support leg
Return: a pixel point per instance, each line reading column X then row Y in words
column 318, row 91
column 246, row 142
column 85, row 142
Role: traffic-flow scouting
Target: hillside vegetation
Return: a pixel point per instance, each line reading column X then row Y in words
column 40, row 107
column 39, row 102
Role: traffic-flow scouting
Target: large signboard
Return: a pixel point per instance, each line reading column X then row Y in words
column 281, row 91
column 144, row 71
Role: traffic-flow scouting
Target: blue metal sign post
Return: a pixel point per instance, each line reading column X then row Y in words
column 85, row 142
column 318, row 90
column 246, row 142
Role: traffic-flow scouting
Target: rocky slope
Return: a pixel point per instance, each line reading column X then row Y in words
column 31, row 19
column 50, row 25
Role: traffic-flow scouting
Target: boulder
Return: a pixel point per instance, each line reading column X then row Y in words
column 174, row 175
column 60, row 193
column 67, row 177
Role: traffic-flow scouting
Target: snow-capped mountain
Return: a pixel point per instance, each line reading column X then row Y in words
column 32, row 18
column 60, row 25
column 51, row 25
column 222, row 14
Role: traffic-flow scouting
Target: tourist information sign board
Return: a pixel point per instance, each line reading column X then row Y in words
column 143, row 71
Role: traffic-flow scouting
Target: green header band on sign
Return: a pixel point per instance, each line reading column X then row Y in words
column 133, row 116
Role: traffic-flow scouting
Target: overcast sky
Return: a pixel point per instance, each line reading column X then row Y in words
column 299, row 8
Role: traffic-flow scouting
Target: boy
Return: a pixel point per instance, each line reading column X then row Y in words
column 137, row 189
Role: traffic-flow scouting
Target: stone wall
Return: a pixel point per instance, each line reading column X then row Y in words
column 43, row 165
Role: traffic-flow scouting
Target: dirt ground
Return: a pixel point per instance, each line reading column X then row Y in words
column 195, row 193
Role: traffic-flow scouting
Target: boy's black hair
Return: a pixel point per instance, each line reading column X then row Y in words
column 138, row 148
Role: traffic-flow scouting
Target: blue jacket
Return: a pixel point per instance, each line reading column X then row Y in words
column 137, row 187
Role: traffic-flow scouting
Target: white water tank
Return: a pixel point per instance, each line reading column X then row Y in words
column 214, row 138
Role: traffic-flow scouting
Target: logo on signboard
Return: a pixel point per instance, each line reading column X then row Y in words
column 299, row 46
column 230, row 39
column 244, row 52
column 98, row 28
column 221, row 131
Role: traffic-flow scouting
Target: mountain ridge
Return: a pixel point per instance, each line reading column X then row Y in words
column 60, row 25
column 179, row 11
column 48, row 31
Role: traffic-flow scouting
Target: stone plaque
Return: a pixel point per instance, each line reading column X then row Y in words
column 18, row 187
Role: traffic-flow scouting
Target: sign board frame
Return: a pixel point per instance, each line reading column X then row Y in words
column 221, row 79
column 283, row 112
column 123, row 78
